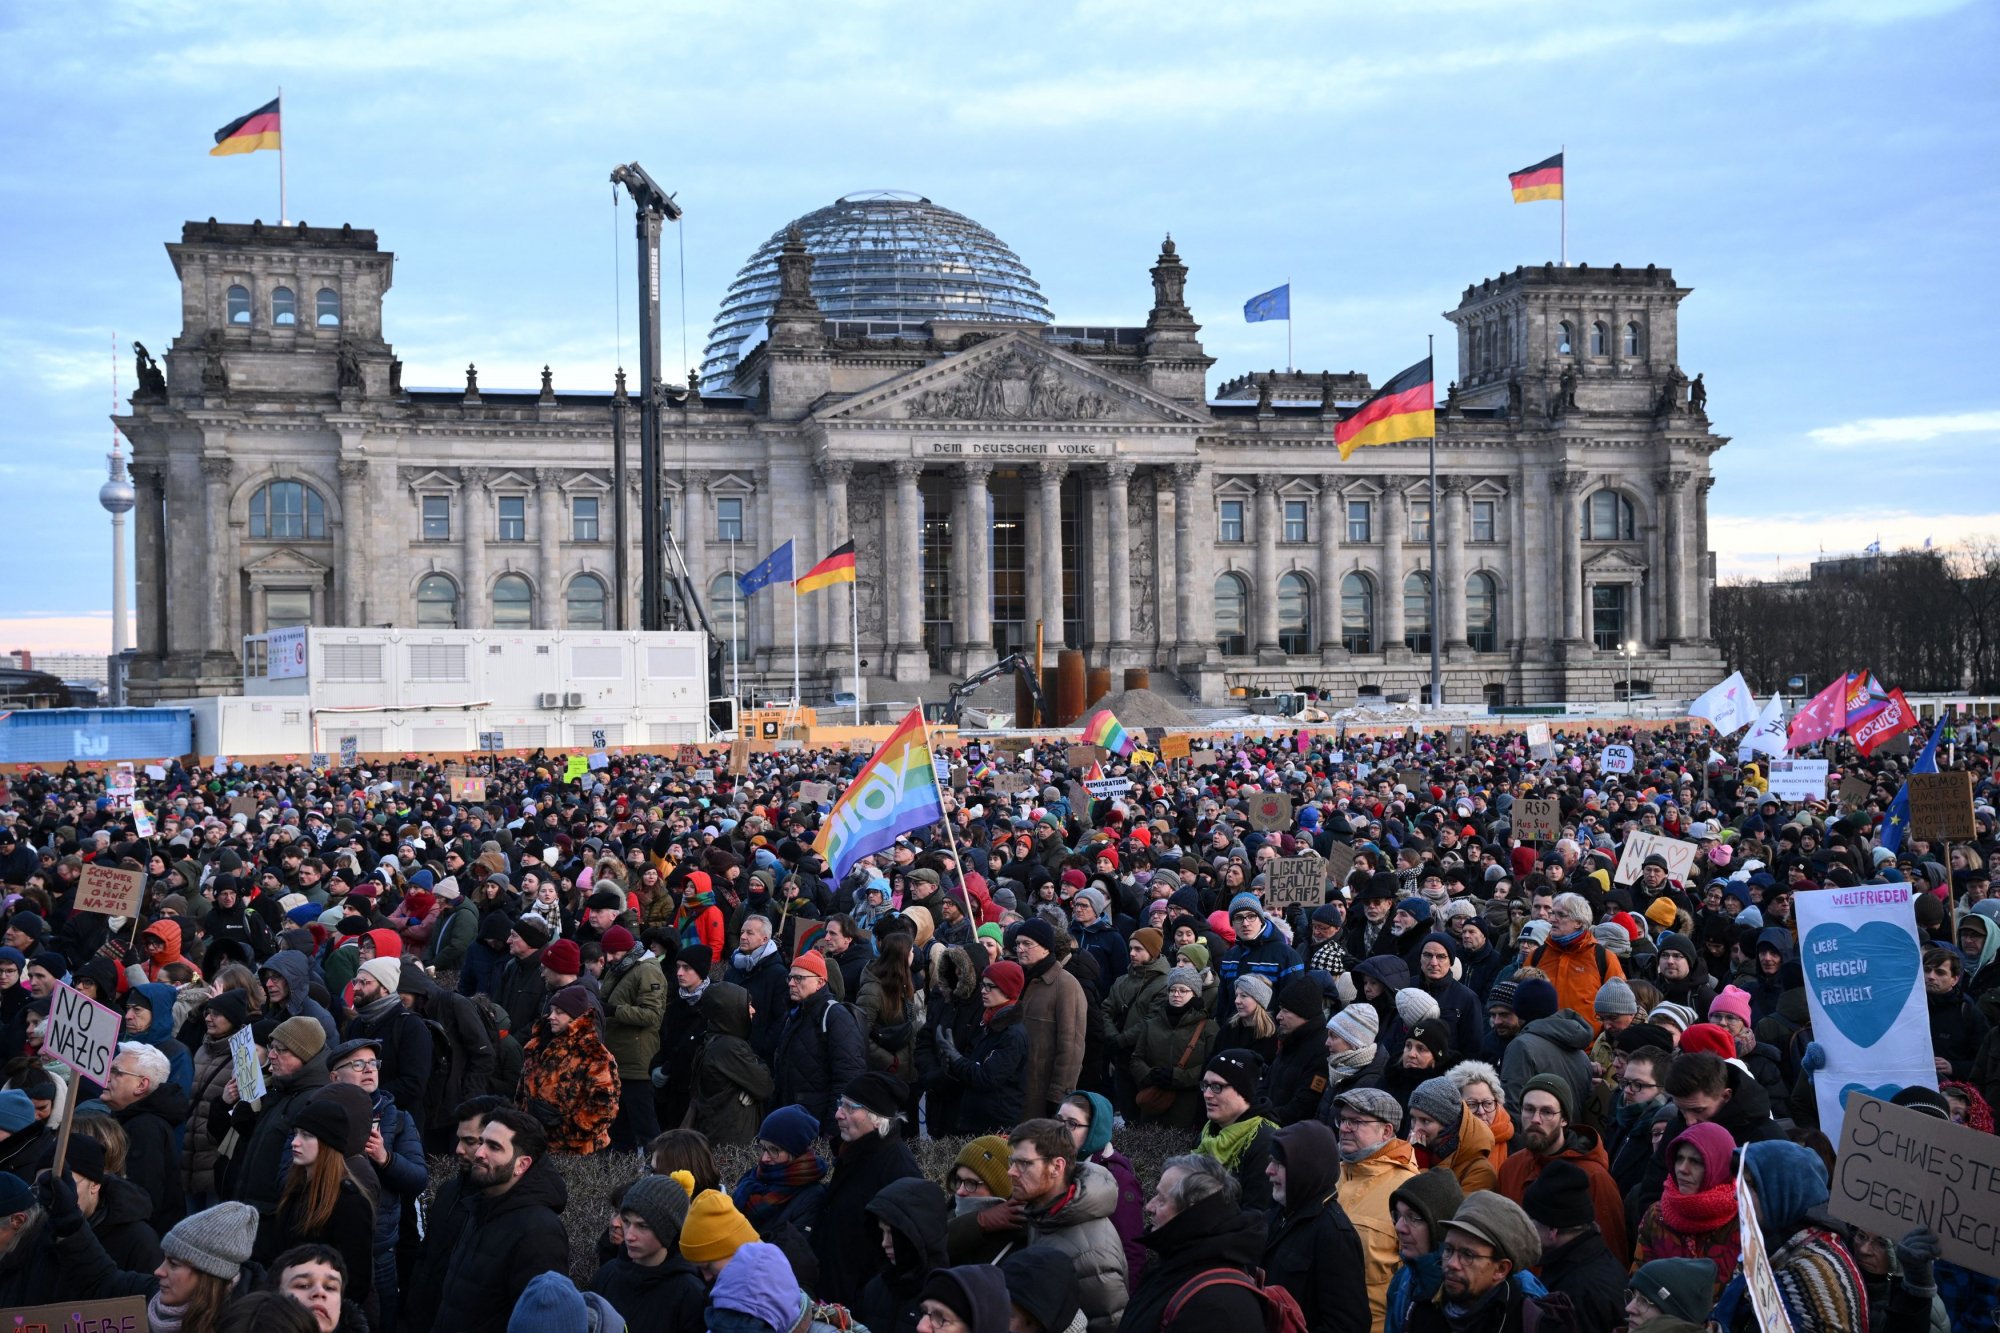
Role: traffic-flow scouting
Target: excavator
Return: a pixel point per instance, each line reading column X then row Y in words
column 1018, row 664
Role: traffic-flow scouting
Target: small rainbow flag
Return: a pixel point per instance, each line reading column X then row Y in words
column 895, row 792
column 1105, row 730
column 1096, row 773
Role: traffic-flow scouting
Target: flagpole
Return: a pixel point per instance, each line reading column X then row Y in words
column 950, row 836
column 1563, row 212
column 854, row 623
column 793, row 543
column 735, row 628
column 283, row 219
column 1437, row 586
column 1288, row 323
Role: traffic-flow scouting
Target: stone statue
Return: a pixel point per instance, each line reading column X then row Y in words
column 1514, row 398
column 1672, row 393
column 350, row 367
column 152, row 380
column 548, row 383
column 1567, row 392
column 1264, row 394
column 1451, row 397
column 471, row 380
column 1698, row 397
column 396, row 377
column 214, row 374
column 1020, row 384
column 1169, row 278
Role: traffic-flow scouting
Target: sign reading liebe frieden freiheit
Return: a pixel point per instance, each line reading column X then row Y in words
column 1863, row 963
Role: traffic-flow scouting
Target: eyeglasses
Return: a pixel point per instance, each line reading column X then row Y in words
column 1450, row 1251
column 966, row 1182
column 1636, row 1084
column 1214, row 1086
column 1074, row 1124
column 363, row 1065
column 1483, row 1108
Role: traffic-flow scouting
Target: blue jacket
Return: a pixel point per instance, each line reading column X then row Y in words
column 1417, row 1280
column 1267, row 956
column 160, row 1034
column 404, row 1175
column 295, row 970
column 1103, row 942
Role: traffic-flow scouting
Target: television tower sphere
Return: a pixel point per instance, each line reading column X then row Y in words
column 118, row 495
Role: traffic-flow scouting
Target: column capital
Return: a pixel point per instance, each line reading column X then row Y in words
column 835, row 471
column 1266, row 483
column 1119, row 471
column 216, row 469
column 1454, row 485
column 149, row 475
column 353, row 469
column 548, row 476
column 1186, row 474
column 1706, row 484
column 475, row 478
column 975, row 474
column 1672, row 480
column 1049, row 474
column 906, row 469
column 1567, row 482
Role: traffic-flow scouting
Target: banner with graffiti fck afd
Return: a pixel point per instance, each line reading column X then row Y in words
column 1863, row 961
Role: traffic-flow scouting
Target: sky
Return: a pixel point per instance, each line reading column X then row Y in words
column 1820, row 172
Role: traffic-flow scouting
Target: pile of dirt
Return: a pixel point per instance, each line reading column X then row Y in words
column 1144, row 708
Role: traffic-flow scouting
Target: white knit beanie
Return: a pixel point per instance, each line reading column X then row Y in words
column 387, row 972
column 1358, row 1025
column 1413, row 1006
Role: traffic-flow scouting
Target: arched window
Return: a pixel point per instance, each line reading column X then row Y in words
column 437, row 603
column 287, row 511
column 513, row 602
column 1357, row 614
column 1482, row 613
column 1295, row 628
column 284, row 306
column 1565, row 339
column 586, row 602
column 725, row 610
column 1607, row 517
column 1232, row 615
column 1632, row 338
column 1417, row 612
column 328, row 308
column 239, row 304
column 1600, row 339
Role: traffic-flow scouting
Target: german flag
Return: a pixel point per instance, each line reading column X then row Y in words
column 836, row 568
column 1544, row 180
column 1403, row 409
column 246, row 134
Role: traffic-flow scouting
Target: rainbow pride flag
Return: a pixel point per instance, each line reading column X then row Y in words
column 895, row 791
column 1105, row 730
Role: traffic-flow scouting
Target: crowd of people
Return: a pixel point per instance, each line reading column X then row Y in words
column 1483, row 1085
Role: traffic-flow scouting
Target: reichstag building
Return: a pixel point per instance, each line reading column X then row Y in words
column 887, row 371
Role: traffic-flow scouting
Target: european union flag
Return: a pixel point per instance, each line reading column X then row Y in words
column 776, row 568
column 1896, row 822
column 1274, row 304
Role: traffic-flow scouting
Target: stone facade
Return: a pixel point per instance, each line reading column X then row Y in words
column 991, row 474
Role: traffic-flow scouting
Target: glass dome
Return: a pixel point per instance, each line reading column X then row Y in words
column 886, row 258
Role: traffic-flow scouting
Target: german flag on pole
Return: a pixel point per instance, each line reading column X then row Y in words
column 246, row 134
column 1403, row 409
column 1544, row 180
column 836, row 568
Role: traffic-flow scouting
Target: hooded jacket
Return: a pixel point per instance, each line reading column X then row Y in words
column 1583, row 1148
column 1470, row 1161
column 847, row 1244
column 295, row 970
column 1178, row 1043
column 730, row 1086
column 505, row 1242
column 666, row 1298
column 123, row 1228
column 451, row 938
column 1078, row 1222
column 1558, row 1044
column 472, row 1058
column 1574, row 970
column 1209, row 1234
column 255, row 1173
column 168, row 931
column 1364, row 1190
column 1041, row 1281
column 1313, row 1250
column 485, row 958
column 1131, row 999
column 916, row 1211
column 152, row 1161
column 159, row 1034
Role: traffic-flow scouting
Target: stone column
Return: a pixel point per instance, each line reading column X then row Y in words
column 1194, row 632
column 1391, row 617
column 148, row 562
column 838, row 622
column 1704, row 594
column 977, row 617
column 548, row 541
column 693, row 523
column 1264, row 597
column 478, row 522
column 1678, row 576
column 220, row 568
column 1118, row 535
column 904, row 580
column 1331, row 532
column 1568, row 491
column 1048, row 498
column 354, row 563
column 1451, row 563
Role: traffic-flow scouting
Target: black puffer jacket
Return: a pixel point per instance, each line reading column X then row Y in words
column 845, row 1239
column 1295, row 1080
column 506, row 1241
column 991, row 1075
column 473, row 1058
column 152, row 1162
column 819, row 1053
column 1211, row 1234
column 915, row 1210
column 668, row 1298
column 1313, row 1251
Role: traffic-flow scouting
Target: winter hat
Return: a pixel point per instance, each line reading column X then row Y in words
column 1535, row 932
column 1684, row 1289
column 1102, row 1118
column 1641, row 1035
column 1150, row 940
column 338, row 1115
column 1614, row 937
column 1302, row 996
column 1533, row 999
column 550, row 1303
column 1419, row 908
column 713, row 1229
column 17, row 1111
column 1038, row 930
column 233, row 1005
column 1195, row 955
column 563, row 958
column 1041, row 1282
column 617, row 940
column 1557, row 1087
column 385, row 972
column 1441, row 1100
column 1413, row 1006
column 447, row 888
column 810, row 961
column 1240, row 1069
column 1501, row 997
column 1095, row 899
column 662, row 1202
column 1733, row 1000
column 1256, row 988
column 976, row 1293
column 1789, row 1178
column 1185, row 976
column 1434, row 1194
column 1559, row 1198
column 1615, row 999
column 15, row 1196
column 85, row 1158
column 1663, row 913
column 1679, row 1015
column 572, row 1000
column 986, row 1157
column 758, row 1284
column 1373, row 1103
column 217, row 1240
column 792, row 1128
column 876, row 1093
column 533, row 930
column 303, row 1037
column 1358, row 1025
column 1246, row 902
column 1501, row 1223
column 1708, row 1037
column 1008, row 977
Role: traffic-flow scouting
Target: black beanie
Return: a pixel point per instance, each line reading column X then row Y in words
column 1560, row 1198
column 1302, row 996
column 1240, row 1069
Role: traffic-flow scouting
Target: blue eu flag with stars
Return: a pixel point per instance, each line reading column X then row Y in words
column 1896, row 823
column 776, row 568
column 1274, row 304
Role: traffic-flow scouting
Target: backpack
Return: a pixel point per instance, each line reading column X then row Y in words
column 1603, row 965
column 1281, row 1310
column 444, row 1062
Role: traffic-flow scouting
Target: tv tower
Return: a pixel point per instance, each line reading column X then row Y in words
column 118, row 498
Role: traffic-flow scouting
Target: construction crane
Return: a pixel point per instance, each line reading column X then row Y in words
column 1014, row 662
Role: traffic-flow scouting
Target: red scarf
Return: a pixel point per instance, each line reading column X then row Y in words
column 1699, row 1213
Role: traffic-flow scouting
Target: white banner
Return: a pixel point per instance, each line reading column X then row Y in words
column 1768, row 735
column 1679, row 857
column 1617, row 759
column 1798, row 780
column 1863, row 961
column 287, row 653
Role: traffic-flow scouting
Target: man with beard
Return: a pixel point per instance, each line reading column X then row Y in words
column 448, row 1213
column 1545, row 1135
column 405, row 1038
column 513, row 1229
column 1489, row 1246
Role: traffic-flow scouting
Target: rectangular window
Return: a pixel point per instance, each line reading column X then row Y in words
column 1360, row 521
column 1232, row 521
column 437, row 518
column 1485, row 522
column 513, row 518
column 1420, row 520
column 1295, row 521
column 729, row 519
column 583, row 518
column 286, row 607
column 1607, row 616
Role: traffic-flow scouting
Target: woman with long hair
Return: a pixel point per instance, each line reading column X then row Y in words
column 323, row 1201
column 892, row 1009
column 202, row 1268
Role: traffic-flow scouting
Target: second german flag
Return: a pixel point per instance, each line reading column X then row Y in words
column 838, row 567
column 1403, row 409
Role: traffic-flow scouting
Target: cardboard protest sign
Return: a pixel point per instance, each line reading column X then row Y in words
column 1863, row 961
column 1541, row 745
column 1617, row 759
column 1854, row 792
column 1678, row 855
column 1413, row 778
column 1012, row 744
column 815, row 793
column 157, row 772
column 1204, row 759
column 468, row 789
column 243, row 1057
column 1458, row 740
column 126, row 1314
column 350, row 751
column 1339, row 865
column 598, row 759
column 1899, row 1168
column 1798, row 780
column 81, row 1033
column 1103, row 788
column 1941, row 807
column 1537, row 819
column 1291, row 880
column 1174, row 747
column 242, row 805
column 109, row 890
column 1270, row 812
column 1009, row 783
column 1082, row 756
column 1765, row 1298
column 575, row 767
column 739, row 757
column 702, row 775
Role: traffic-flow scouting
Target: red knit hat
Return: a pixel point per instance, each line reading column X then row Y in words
column 563, row 958
column 1708, row 1037
column 1008, row 977
column 810, row 961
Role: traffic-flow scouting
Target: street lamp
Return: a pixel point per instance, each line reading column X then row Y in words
column 1629, row 651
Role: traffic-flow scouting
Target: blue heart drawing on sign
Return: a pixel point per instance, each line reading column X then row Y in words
column 1863, row 978
column 1885, row 1091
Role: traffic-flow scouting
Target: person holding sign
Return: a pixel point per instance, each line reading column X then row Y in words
column 1817, row 1279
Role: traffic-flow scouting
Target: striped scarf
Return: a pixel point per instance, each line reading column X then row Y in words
column 767, row 1191
column 1821, row 1286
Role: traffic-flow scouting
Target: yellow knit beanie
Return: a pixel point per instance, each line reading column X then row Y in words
column 714, row 1230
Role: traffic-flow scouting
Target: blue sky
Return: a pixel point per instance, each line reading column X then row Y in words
column 1822, row 174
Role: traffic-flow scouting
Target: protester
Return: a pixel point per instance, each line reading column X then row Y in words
column 1312, row 1250
column 1374, row 1164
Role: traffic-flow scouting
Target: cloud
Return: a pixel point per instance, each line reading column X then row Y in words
column 1906, row 430
column 1761, row 547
